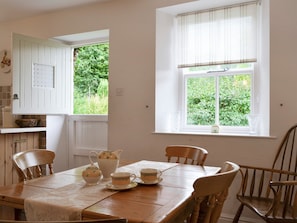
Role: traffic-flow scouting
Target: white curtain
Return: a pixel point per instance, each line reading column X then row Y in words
column 218, row 36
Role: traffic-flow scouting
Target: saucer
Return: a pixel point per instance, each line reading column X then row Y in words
column 113, row 187
column 149, row 183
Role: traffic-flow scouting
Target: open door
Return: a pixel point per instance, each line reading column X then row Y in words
column 42, row 76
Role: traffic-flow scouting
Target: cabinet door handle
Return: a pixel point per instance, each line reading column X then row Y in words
column 15, row 97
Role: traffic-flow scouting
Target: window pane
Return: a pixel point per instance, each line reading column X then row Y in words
column 200, row 101
column 235, row 99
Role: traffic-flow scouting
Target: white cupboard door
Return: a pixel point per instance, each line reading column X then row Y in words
column 42, row 76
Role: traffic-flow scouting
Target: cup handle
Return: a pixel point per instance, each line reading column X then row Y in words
column 132, row 177
column 92, row 153
column 159, row 174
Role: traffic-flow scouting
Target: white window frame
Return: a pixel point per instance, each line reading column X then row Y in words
column 206, row 128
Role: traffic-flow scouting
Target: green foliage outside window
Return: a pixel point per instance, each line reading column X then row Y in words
column 234, row 100
column 201, row 101
column 91, row 70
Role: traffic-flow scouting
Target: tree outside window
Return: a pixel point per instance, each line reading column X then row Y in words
column 91, row 70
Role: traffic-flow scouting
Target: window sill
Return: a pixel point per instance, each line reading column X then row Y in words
column 216, row 134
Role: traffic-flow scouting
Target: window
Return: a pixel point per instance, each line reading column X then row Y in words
column 212, row 67
column 220, row 94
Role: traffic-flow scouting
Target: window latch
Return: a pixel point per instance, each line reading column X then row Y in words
column 215, row 71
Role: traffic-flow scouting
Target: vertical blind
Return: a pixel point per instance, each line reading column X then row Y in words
column 223, row 35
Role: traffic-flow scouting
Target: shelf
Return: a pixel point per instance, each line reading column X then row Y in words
column 22, row 130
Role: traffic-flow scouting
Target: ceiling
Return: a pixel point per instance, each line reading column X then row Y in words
column 18, row 9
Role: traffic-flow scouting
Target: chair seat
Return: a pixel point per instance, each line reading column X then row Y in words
column 262, row 205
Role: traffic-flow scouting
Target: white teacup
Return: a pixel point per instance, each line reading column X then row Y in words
column 122, row 179
column 150, row 175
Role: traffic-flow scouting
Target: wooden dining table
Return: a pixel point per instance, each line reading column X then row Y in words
column 168, row 201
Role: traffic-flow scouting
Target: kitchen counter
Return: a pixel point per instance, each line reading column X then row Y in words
column 21, row 130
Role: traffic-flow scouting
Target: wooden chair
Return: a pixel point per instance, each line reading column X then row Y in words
column 119, row 220
column 271, row 193
column 29, row 163
column 186, row 154
column 210, row 193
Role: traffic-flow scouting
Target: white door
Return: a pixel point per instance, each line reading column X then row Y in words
column 42, row 84
column 86, row 133
column 42, row 76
